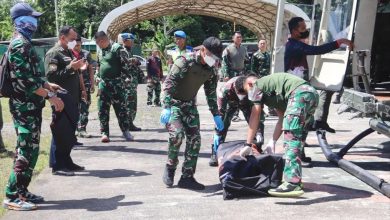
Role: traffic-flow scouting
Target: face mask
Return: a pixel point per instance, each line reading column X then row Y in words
column 251, row 94
column 304, row 35
column 71, row 44
column 209, row 60
column 26, row 25
column 241, row 97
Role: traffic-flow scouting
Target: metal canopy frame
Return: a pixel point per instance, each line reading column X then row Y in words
column 257, row 15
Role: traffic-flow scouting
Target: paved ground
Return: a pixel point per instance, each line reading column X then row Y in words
column 123, row 180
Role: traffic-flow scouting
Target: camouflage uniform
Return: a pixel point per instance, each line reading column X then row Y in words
column 229, row 103
column 131, row 87
column 154, row 75
column 26, row 109
column 113, row 67
column 260, row 63
column 299, row 100
column 84, row 104
column 186, row 76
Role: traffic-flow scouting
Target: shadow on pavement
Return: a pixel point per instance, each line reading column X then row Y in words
column 137, row 150
column 338, row 193
column 115, row 173
column 92, row 204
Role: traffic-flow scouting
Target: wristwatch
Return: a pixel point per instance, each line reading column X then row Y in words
column 50, row 94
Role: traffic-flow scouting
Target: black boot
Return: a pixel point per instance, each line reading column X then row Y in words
column 169, row 174
column 305, row 161
column 213, row 159
column 190, row 183
column 324, row 126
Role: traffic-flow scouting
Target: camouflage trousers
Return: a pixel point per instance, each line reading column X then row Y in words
column 111, row 93
column 297, row 119
column 131, row 101
column 153, row 84
column 84, row 111
column 231, row 108
column 28, row 130
column 184, row 121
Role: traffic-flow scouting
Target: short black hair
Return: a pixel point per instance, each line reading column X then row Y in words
column 100, row 34
column 236, row 32
column 294, row 22
column 78, row 38
column 240, row 84
column 64, row 30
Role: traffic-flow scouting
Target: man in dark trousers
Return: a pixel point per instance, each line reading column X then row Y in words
column 154, row 76
column 63, row 68
column 295, row 62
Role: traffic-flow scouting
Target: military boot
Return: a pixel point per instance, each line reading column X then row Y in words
column 213, row 159
column 190, row 183
column 169, row 175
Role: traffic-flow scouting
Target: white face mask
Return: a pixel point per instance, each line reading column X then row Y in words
column 241, row 97
column 71, row 44
column 251, row 94
column 209, row 60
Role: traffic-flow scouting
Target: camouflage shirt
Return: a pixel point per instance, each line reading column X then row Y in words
column 260, row 63
column 114, row 62
column 136, row 73
column 227, row 95
column 25, row 75
column 185, row 78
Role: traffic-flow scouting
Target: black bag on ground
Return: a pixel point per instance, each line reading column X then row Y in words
column 253, row 177
column 6, row 88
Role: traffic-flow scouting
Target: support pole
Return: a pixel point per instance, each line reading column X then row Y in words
column 278, row 44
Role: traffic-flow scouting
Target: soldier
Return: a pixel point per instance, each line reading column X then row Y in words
column 261, row 60
column 260, row 64
column 181, row 48
column 233, row 58
column 180, row 114
column 154, row 76
column 26, row 103
column 87, row 77
column 233, row 61
column 295, row 102
column 64, row 69
column 113, row 63
column 229, row 101
column 136, row 75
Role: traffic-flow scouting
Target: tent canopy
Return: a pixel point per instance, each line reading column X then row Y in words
column 258, row 16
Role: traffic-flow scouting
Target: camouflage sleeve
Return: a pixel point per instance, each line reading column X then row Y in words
column 127, row 69
column 26, row 79
column 170, row 83
column 254, row 64
column 226, row 65
column 53, row 73
column 210, row 89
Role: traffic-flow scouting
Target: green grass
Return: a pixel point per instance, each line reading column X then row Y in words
column 9, row 137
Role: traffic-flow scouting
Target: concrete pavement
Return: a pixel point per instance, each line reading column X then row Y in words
column 123, row 179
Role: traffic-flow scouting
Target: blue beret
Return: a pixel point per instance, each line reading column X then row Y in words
column 127, row 36
column 180, row 34
column 23, row 9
